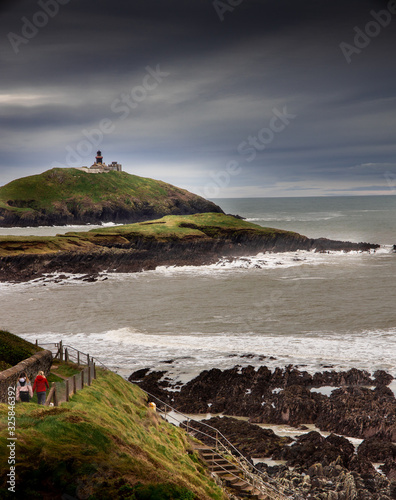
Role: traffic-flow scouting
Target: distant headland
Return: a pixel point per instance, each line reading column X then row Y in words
column 68, row 196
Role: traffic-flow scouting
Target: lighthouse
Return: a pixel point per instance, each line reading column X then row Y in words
column 99, row 158
column 100, row 167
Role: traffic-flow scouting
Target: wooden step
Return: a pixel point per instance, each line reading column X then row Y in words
column 220, row 461
column 217, row 460
column 257, row 495
column 227, row 467
column 229, row 473
column 247, row 487
column 207, row 455
column 231, row 476
column 239, row 484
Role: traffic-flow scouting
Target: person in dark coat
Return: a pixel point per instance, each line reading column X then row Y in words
column 40, row 386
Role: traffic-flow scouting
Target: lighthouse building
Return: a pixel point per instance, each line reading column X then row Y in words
column 99, row 167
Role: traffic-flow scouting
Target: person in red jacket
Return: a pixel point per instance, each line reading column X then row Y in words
column 40, row 386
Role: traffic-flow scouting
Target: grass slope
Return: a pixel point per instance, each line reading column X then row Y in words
column 72, row 192
column 13, row 349
column 172, row 227
column 103, row 444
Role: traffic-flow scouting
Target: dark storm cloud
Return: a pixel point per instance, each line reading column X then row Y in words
column 229, row 71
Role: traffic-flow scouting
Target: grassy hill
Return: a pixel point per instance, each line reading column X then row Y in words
column 13, row 350
column 170, row 228
column 103, row 444
column 71, row 196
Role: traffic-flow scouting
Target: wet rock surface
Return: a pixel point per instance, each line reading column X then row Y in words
column 316, row 467
column 360, row 412
column 249, row 439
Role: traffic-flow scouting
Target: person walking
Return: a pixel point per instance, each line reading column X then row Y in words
column 24, row 390
column 40, row 386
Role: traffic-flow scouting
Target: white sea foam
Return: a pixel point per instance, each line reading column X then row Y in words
column 128, row 349
column 275, row 260
column 52, row 230
column 288, row 217
column 309, row 309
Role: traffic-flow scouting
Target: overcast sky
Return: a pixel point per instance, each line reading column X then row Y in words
column 228, row 98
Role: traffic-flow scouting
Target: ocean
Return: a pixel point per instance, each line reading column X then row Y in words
column 317, row 311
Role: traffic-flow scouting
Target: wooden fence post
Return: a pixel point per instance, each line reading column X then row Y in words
column 78, row 357
column 94, row 371
column 55, row 397
column 74, row 384
column 67, row 389
column 66, row 355
column 51, row 395
column 61, row 350
column 36, row 343
column 88, row 359
column 89, row 374
column 82, row 379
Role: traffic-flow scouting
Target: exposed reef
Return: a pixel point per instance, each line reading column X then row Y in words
column 360, row 405
column 314, row 466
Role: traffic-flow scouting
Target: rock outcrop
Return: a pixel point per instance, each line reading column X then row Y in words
column 249, row 439
column 360, row 412
column 314, row 466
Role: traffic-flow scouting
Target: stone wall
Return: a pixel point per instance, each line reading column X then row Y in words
column 42, row 360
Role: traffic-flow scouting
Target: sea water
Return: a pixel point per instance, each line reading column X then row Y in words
column 318, row 311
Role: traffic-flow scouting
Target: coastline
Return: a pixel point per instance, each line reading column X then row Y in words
column 196, row 240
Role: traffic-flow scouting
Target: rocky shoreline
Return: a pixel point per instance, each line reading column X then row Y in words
column 352, row 404
column 142, row 254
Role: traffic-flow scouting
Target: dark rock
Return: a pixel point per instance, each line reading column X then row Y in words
column 377, row 449
column 152, row 384
column 355, row 411
column 359, row 412
column 293, row 405
column 389, row 468
column 312, row 448
column 249, row 439
column 381, row 377
column 237, row 216
column 336, row 379
column 138, row 375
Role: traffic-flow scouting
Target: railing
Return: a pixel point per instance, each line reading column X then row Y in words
column 61, row 391
column 258, row 479
column 66, row 352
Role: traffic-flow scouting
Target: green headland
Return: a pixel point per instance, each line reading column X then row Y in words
column 207, row 226
column 70, row 196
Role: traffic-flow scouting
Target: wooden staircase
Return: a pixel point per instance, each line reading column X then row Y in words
column 230, row 474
